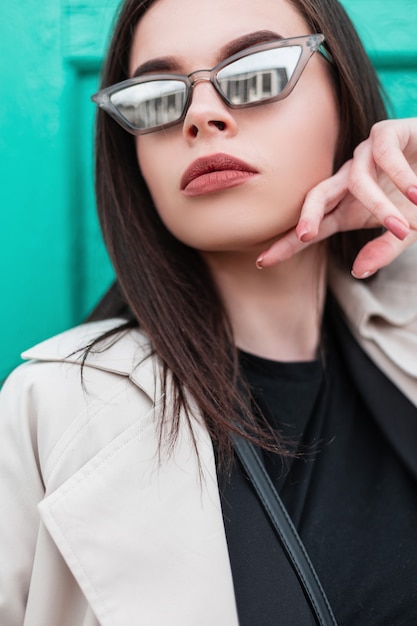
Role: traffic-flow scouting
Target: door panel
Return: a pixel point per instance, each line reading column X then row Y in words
column 53, row 262
column 389, row 32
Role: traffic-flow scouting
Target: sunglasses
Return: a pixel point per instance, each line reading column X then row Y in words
column 263, row 73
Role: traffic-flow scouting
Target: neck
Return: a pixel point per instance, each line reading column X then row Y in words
column 275, row 313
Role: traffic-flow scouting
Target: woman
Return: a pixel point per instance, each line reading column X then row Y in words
column 124, row 503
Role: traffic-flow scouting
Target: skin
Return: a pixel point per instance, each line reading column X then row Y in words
column 377, row 187
column 280, row 140
column 290, row 144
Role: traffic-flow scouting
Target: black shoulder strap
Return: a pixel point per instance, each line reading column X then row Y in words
column 286, row 531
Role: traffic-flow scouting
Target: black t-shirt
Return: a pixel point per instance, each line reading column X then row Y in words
column 351, row 497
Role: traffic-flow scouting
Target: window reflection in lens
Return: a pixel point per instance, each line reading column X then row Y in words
column 258, row 76
column 150, row 104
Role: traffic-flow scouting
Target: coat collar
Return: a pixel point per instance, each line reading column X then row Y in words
column 383, row 313
column 127, row 353
column 394, row 413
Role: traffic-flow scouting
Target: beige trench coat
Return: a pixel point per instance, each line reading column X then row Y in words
column 99, row 529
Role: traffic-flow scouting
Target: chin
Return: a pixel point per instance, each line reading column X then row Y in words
column 242, row 244
column 224, row 229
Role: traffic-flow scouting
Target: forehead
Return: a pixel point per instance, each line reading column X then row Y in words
column 194, row 30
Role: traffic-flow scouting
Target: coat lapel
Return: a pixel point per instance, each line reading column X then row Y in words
column 382, row 314
column 144, row 535
column 139, row 526
column 395, row 414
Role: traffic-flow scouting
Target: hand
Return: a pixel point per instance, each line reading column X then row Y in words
column 377, row 187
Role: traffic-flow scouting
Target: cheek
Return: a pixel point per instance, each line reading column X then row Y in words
column 293, row 141
column 151, row 162
column 156, row 164
column 158, row 158
column 304, row 146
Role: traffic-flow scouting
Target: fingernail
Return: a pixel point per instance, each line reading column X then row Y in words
column 362, row 275
column 412, row 194
column 396, row 227
column 303, row 230
column 259, row 262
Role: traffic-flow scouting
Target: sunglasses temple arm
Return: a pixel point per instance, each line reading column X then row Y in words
column 325, row 54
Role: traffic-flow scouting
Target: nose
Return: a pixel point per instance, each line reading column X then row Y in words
column 207, row 114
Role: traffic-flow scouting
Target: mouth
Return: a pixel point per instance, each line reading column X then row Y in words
column 214, row 173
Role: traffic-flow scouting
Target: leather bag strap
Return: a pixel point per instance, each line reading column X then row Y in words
column 287, row 533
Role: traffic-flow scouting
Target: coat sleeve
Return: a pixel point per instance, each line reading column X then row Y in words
column 21, row 489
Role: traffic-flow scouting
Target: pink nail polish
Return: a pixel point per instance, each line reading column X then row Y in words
column 412, row 194
column 259, row 262
column 396, row 227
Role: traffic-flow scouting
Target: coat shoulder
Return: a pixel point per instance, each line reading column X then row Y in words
column 68, row 413
column 116, row 352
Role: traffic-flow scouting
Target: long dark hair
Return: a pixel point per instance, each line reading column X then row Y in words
column 162, row 285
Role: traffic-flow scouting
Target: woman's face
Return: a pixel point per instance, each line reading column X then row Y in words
column 288, row 146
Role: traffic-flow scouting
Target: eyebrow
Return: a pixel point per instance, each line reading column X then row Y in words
column 171, row 63
column 246, row 41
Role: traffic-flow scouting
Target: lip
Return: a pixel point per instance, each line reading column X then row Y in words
column 214, row 173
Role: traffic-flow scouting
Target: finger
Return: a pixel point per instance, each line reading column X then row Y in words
column 290, row 244
column 389, row 141
column 378, row 253
column 320, row 200
column 375, row 255
column 363, row 186
column 281, row 250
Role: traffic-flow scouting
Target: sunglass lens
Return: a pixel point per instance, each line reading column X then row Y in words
column 259, row 76
column 151, row 104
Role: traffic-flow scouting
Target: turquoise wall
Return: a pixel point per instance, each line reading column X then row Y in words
column 53, row 265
